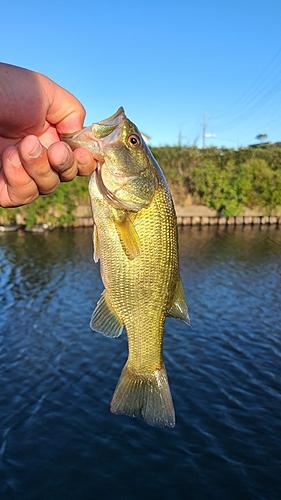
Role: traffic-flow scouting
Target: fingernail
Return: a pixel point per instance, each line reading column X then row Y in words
column 36, row 151
column 65, row 158
column 14, row 158
column 84, row 159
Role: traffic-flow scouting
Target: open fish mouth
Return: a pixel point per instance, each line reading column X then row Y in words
column 96, row 136
column 104, row 128
column 99, row 138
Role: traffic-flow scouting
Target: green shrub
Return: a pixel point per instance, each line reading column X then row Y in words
column 224, row 179
column 8, row 215
column 261, row 185
column 57, row 208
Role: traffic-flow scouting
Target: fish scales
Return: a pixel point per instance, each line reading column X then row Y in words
column 141, row 290
column 135, row 238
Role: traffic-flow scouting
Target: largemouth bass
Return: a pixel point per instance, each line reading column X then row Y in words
column 135, row 239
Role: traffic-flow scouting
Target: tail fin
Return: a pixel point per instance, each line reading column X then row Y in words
column 150, row 397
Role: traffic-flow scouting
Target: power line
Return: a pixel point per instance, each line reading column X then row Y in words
column 265, row 87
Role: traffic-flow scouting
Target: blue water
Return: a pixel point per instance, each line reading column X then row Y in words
column 58, row 439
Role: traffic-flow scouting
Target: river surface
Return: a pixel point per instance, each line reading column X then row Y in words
column 58, row 439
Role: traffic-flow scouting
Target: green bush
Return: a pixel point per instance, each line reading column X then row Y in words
column 261, row 185
column 218, row 188
column 224, row 179
column 8, row 215
column 57, row 208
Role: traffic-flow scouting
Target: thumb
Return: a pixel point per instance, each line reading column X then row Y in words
column 65, row 111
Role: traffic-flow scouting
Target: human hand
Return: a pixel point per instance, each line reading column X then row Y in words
column 34, row 111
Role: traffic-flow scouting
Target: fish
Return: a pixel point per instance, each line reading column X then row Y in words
column 135, row 239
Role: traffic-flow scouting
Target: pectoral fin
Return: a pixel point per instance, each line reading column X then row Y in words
column 128, row 236
column 179, row 308
column 105, row 320
column 96, row 243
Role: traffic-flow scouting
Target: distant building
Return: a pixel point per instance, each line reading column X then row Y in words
column 265, row 145
column 260, row 144
column 145, row 137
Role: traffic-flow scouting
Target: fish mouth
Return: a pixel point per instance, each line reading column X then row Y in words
column 102, row 129
column 96, row 136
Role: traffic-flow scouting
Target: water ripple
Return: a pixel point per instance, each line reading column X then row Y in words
column 58, row 439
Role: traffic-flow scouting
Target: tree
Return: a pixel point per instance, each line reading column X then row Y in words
column 261, row 137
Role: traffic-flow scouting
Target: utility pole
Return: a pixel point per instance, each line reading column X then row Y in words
column 179, row 139
column 205, row 116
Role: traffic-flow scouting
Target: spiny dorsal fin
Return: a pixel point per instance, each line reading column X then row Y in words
column 105, row 320
column 128, row 237
column 179, row 308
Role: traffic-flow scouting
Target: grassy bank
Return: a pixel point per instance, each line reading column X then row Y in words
column 224, row 179
column 56, row 209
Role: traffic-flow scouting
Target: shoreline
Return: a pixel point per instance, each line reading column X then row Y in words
column 182, row 220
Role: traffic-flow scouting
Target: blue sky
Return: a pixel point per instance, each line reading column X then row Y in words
column 166, row 62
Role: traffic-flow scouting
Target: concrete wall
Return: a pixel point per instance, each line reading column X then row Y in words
column 200, row 215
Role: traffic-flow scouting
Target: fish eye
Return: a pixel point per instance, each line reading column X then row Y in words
column 133, row 141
